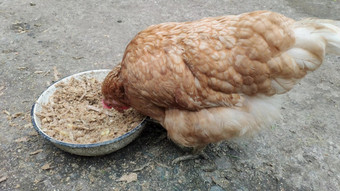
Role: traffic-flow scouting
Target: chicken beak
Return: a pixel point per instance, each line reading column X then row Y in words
column 106, row 106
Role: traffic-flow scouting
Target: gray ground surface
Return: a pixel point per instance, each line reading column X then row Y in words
column 301, row 152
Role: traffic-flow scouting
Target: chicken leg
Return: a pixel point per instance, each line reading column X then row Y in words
column 196, row 153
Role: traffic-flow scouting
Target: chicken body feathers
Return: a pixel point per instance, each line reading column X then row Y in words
column 197, row 129
column 215, row 78
column 207, row 63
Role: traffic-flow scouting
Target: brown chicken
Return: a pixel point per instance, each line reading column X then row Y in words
column 217, row 78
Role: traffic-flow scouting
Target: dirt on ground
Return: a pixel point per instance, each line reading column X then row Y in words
column 43, row 40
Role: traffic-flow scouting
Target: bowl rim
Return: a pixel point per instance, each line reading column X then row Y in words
column 75, row 145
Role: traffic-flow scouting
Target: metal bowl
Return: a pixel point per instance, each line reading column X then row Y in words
column 94, row 149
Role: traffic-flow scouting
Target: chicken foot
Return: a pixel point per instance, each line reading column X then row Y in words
column 196, row 153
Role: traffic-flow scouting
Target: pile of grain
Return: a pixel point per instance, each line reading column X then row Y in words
column 74, row 114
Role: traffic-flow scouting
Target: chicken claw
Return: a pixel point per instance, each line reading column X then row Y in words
column 197, row 152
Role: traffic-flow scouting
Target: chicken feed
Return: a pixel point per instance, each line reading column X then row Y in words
column 74, row 114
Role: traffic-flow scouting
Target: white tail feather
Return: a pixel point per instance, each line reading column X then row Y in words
column 320, row 30
column 313, row 39
column 329, row 30
column 333, row 38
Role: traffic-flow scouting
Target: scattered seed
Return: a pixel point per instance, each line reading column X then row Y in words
column 22, row 68
column 39, row 72
column 128, row 177
column 22, row 139
column 18, row 114
column 141, row 168
column 46, row 166
column 2, row 179
column 36, row 152
column 77, row 58
column 33, row 133
column 6, row 112
column 56, row 73
column 28, row 125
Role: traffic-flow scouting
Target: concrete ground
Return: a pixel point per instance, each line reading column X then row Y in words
column 300, row 152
